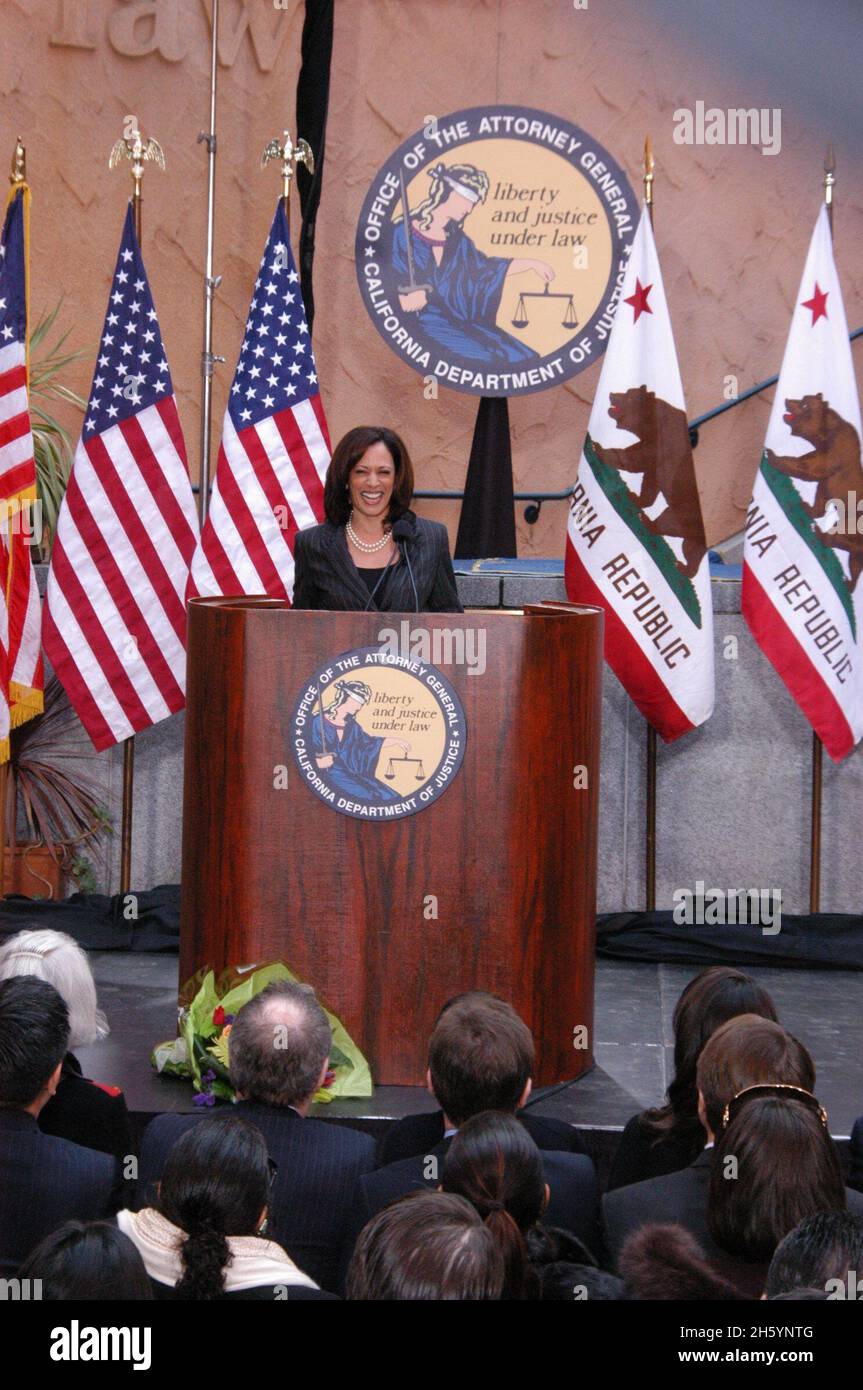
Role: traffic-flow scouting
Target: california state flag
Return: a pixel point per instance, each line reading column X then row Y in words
column 635, row 540
column 803, row 553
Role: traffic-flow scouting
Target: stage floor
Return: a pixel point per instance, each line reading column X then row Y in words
column 633, row 1049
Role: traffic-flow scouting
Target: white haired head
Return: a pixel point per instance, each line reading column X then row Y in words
column 59, row 960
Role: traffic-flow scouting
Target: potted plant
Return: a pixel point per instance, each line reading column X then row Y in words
column 60, row 807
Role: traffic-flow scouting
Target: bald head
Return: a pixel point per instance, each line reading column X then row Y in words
column 279, row 1045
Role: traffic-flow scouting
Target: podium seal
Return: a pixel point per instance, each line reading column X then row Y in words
column 378, row 735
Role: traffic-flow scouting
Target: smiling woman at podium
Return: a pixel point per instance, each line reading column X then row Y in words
column 373, row 553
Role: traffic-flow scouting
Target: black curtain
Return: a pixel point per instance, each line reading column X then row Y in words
column 313, row 94
column 487, row 523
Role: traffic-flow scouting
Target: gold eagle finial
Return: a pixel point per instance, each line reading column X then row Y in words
column 18, row 172
column 290, row 155
column 134, row 147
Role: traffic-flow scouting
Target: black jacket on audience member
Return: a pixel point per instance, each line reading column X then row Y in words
column 681, row 1199
column 573, row 1203
column 318, row 1164
column 45, row 1181
column 419, row 1134
column 641, row 1154
column 88, row 1113
column 855, row 1176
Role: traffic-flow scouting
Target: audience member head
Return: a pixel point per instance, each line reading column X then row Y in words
column 89, row 1261
column 481, row 1057
column 215, row 1184
column 666, row 1262
column 774, row 1164
column 714, row 996
column 823, row 1247
column 494, row 1163
column 34, row 1039
column 429, row 1245
column 279, row 1046
column 748, row 1051
column 59, row 960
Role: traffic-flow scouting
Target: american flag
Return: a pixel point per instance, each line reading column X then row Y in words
column 275, row 447
column 21, row 679
column 114, row 620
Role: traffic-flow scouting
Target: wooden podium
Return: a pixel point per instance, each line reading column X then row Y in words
column 493, row 886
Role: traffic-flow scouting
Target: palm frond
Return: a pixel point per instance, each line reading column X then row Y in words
column 52, row 445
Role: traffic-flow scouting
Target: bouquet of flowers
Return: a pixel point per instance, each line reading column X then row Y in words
column 207, row 1011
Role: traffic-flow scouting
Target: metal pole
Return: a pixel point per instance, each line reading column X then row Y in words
column 817, row 745
column 650, row 780
column 211, row 283
column 129, row 743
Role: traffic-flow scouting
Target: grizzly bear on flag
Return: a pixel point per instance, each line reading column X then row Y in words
column 663, row 455
column 834, row 462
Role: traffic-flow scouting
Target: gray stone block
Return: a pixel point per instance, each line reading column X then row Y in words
column 520, row 589
column 479, row 590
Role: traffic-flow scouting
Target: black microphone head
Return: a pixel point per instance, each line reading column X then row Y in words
column 403, row 530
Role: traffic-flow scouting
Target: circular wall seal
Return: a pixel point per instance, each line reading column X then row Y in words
column 520, row 229
column 378, row 735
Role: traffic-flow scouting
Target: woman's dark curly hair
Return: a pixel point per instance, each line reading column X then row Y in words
column 347, row 454
column 215, row 1184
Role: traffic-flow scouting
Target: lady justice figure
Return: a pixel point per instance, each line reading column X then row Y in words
column 345, row 752
column 458, row 308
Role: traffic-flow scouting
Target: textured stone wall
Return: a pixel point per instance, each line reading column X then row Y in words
column 732, row 224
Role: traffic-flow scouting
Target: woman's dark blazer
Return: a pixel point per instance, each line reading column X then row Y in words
column 88, row 1113
column 325, row 576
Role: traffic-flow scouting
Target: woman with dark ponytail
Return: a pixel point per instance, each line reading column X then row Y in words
column 494, row 1163
column 205, row 1238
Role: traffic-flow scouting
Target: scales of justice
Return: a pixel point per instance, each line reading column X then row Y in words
column 521, row 320
column 391, row 772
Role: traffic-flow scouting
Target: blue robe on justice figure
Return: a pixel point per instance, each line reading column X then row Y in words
column 461, row 310
column 355, row 757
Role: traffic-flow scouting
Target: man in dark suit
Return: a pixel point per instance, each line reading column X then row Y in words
column 571, row 1179
column 44, row 1180
column 459, row 1079
column 279, row 1054
column 480, row 1058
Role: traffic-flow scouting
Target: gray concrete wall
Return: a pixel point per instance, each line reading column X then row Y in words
column 732, row 800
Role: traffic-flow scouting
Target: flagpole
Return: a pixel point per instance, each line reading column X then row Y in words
column 17, row 177
column 211, row 282
column 133, row 146
column 817, row 745
column 650, row 786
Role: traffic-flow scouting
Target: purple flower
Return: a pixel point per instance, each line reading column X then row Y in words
column 204, row 1098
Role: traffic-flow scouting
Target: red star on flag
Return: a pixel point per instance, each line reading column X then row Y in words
column 818, row 304
column 639, row 299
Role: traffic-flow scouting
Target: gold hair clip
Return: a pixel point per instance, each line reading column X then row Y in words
column 773, row 1086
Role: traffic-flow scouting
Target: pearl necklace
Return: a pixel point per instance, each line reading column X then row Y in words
column 367, row 547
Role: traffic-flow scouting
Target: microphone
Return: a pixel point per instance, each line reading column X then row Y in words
column 404, row 531
column 381, row 580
